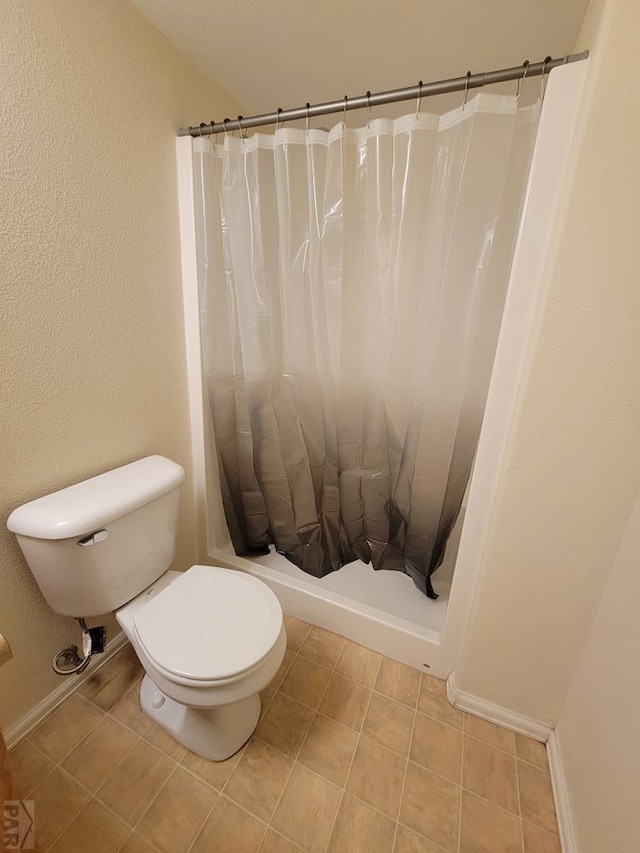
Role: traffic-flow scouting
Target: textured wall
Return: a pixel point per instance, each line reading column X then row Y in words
column 599, row 727
column 572, row 467
column 91, row 347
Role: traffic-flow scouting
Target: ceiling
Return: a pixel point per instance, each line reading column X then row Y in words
column 270, row 53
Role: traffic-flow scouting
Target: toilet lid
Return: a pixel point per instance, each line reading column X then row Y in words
column 210, row 624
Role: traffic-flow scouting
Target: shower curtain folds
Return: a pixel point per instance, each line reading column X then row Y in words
column 351, row 288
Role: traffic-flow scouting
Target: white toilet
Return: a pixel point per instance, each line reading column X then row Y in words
column 210, row 639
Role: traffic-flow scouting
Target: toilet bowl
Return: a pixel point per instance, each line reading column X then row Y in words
column 210, row 639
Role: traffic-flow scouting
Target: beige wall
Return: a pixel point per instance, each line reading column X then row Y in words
column 599, row 728
column 572, row 466
column 91, row 342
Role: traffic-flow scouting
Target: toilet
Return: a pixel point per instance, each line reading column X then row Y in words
column 210, row 639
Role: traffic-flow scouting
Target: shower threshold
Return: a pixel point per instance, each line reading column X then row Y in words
column 382, row 610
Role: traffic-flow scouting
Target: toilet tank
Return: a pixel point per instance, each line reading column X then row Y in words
column 94, row 546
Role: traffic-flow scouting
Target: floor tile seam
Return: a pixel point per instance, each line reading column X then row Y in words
column 464, row 728
column 520, row 827
column 491, row 803
column 95, row 704
column 164, row 785
column 541, row 828
column 160, row 749
column 353, row 756
column 357, row 683
column 492, row 745
column 317, row 710
column 93, row 793
column 406, row 766
column 335, row 818
column 375, row 808
column 204, row 822
column 115, row 770
column 54, row 765
column 531, row 764
column 131, row 834
column 519, row 796
column 240, row 753
column 280, row 835
column 195, row 775
column 442, row 722
column 129, row 728
column 317, row 663
column 529, row 819
column 92, row 796
column 261, row 820
column 277, row 804
column 294, row 655
column 355, row 680
column 388, row 749
column 420, row 835
column 305, row 636
column 66, row 755
column 314, row 662
column 29, row 794
column 58, row 836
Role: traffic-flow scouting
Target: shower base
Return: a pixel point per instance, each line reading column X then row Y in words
column 382, row 610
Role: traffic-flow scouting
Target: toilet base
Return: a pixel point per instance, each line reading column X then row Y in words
column 214, row 733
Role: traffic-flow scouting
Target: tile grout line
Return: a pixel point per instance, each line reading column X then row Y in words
column 406, row 763
column 50, row 716
column 162, row 787
column 306, row 735
column 294, row 655
column 519, row 807
column 353, row 756
column 206, row 818
column 464, row 734
column 58, row 765
column 92, row 796
column 124, row 758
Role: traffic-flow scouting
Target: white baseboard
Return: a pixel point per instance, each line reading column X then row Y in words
column 566, row 829
column 26, row 724
column 496, row 713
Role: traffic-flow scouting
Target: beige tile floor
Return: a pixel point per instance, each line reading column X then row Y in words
column 354, row 752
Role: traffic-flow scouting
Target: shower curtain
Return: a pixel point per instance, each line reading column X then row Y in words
column 351, row 288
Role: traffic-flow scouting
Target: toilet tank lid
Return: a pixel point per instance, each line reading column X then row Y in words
column 87, row 506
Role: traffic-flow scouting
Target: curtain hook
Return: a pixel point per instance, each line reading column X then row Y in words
column 521, row 80
column 243, row 132
column 211, row 124
column 542, row 81
column 344, row 111
column 278, row 118
column 419, row 100
column 202, row 124
column 466, row 89
column 307, row 118
column 368, row 108
column 226, row 130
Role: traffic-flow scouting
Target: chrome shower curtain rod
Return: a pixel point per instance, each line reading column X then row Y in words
column 422, row 90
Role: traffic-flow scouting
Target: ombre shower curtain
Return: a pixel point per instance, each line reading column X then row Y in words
column 351, row 289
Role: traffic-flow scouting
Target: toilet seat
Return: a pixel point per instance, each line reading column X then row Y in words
column 210, row 626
